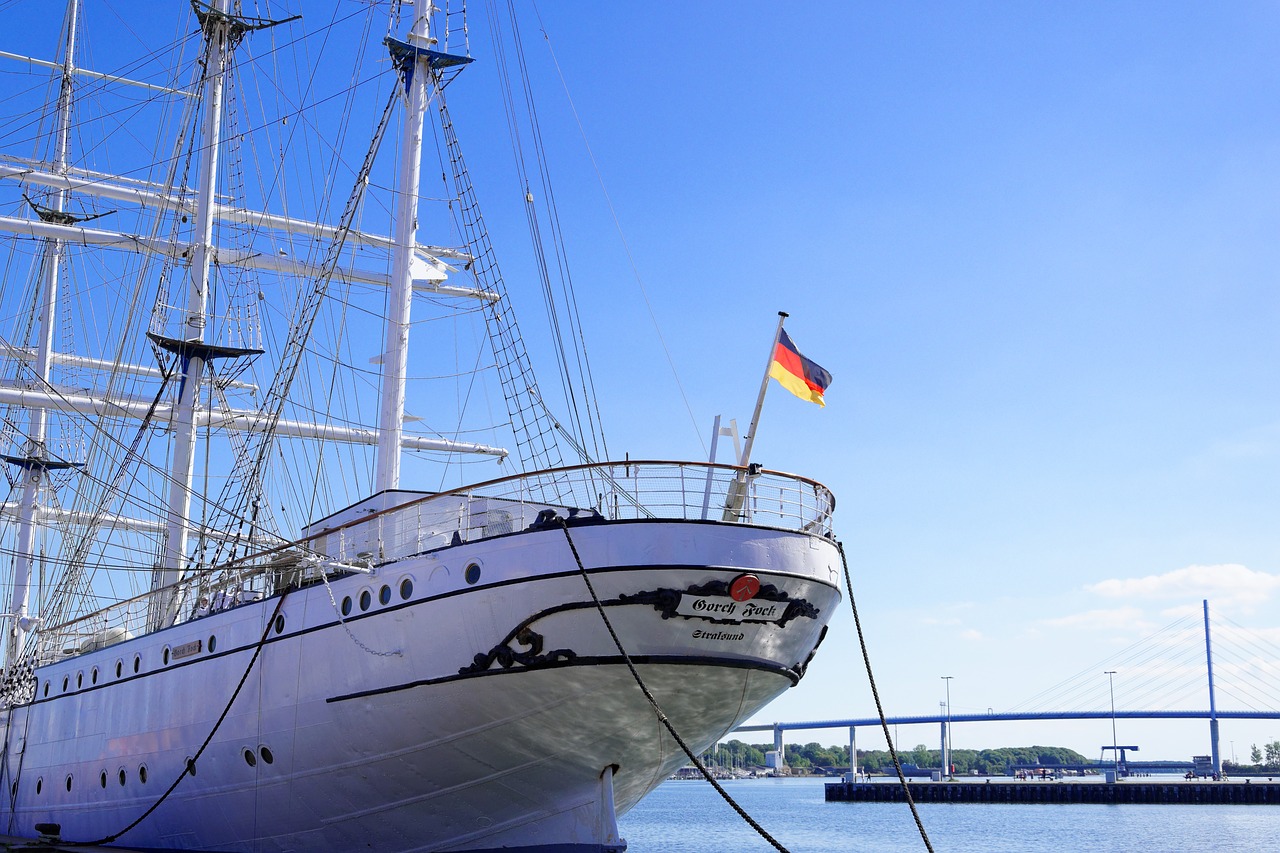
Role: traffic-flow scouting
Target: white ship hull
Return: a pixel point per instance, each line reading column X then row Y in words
column 427, row 721
column 211, row 346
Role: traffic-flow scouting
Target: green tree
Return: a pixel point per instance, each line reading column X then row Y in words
column 735, row 753
column 795, row 757
column 1255, row 754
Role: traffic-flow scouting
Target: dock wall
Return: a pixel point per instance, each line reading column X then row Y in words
column 1157, row 793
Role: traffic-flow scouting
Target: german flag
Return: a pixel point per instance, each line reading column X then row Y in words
column 796, row 373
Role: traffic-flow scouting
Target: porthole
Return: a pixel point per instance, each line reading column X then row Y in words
column 267, row 757
column 213, row 643
column 39, row 784
column 280, row 624
column 366, row 599
column 102, row 779
column 406, row 588
column 142, row 773
column 472, row 574
column 66, row 682
column 137, row 663
column 79, row 680
column 250, row 758
column 119, row 668
column 68, row 781
column 121, row 776
column 384, row 594
column 46, row 688
column 165, row 656
column 346, row 605
column 93, row 676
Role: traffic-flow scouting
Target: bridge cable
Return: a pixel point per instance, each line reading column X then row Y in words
column 884, row 724
column 657, row 710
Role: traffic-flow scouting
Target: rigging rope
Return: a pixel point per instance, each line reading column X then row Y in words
column 260, row 442
column 571, row 317
column 884, row 723
column 74, row 581
column 536, row 449
column 617, row 224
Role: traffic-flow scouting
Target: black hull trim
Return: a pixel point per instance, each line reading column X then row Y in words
column 607, row 660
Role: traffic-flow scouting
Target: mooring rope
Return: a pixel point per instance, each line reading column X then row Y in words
column 189, row 768
column 884, row 724
column 662, row 717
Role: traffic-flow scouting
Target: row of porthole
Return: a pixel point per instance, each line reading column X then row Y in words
column 137, row 659
column 250, row 758
column 121, row 775
column 93, row 675
column 137, row 667
column 384, row 596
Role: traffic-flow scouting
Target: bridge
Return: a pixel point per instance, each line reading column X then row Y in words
column 945, row 717
column 943, row 720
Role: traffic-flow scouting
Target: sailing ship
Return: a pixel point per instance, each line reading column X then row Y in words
column 254, row 602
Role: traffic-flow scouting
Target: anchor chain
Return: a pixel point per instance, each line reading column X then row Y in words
column 342, row 620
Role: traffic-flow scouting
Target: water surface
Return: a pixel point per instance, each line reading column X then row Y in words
column 690, row 817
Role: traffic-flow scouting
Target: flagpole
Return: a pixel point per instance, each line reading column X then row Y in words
column 764, row 386
column 737, row 489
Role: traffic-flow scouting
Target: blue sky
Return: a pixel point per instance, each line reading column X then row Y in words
column 1035, row 244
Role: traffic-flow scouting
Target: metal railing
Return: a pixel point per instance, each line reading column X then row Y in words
column 608, row 491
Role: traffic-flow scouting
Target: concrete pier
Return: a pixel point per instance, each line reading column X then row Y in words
column 1144, row 792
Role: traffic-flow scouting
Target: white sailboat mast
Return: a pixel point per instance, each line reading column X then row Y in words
column 182, row 468
column 395, row 359
column 35, row 465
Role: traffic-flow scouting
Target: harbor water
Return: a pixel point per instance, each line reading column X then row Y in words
column 690, row 817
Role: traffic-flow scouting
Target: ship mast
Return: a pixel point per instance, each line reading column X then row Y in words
column 415, row 66
column 192, row 357
column 36, row 463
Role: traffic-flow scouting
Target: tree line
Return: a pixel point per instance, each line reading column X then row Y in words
column 1264, row 758
column 736, row 754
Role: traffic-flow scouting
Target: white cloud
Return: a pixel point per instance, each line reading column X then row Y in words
column 1180, row 611
column 1125, row 618
column 971, row 634
column 1227, row 584
column 1249, row 446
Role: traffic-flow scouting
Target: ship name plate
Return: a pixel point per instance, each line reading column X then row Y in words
column 722, row 608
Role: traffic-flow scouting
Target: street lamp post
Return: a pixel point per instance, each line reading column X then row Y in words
column 946, row 765
column 1115, row 751
column 942, row 741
